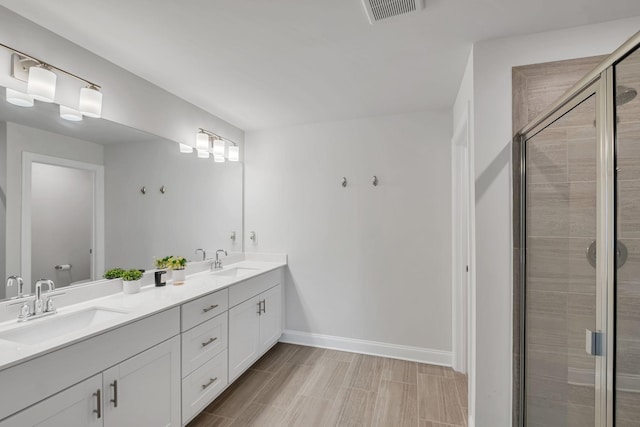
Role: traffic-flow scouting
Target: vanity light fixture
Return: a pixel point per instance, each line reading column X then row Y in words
column 186, row 149
column 202, row 140
column 18, row 98
column 233, row 153
column 70, row 114
column 222, row 148
column 203, row 154
column 41, row 83
column 41, row 79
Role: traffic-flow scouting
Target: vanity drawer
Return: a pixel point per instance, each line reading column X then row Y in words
column 249, row 288
column 205, row 308
column 203, row 385
column 201, row 343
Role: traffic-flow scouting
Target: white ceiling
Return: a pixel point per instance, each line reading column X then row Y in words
column 271, row 63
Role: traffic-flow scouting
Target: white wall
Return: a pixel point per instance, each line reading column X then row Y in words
column 492, row 63
column 3, row 205
column 128, row 99
column 22, row 139
column 366, row 263
column 202, row 204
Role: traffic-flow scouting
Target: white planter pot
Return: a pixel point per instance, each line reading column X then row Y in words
column 178, row 277
column 131, row 287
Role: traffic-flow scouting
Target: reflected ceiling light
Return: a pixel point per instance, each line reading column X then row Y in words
column 41, row 79
column 203, row 154
column 233, row 153
column 221, row 151
column 18, row 98
column 202, row 140
column 42, row 83
column 91, row 101
column 187, row 149
column 70, row 114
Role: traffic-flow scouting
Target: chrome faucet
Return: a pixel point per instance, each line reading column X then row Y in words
column 217, row 264
column 204, row 253
column 40, row 307
column 15, row 281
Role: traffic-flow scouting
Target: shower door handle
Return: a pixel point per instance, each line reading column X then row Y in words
column 594, row 343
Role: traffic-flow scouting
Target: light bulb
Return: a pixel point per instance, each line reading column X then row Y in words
column 41, row 84
column 184, row 148
column 18, row 98
column 233, row 153
column 70, row 114
column 202, row 141
column 203, row 154
column 91, row 102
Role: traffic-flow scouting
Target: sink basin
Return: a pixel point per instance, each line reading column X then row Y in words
column 57, row 325
column 236, row 271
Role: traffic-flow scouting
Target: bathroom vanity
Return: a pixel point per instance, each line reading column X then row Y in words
column 156, row 358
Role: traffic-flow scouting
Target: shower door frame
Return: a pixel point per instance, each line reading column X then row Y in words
column 599, row 82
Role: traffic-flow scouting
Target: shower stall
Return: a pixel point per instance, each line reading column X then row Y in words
column 577, row 253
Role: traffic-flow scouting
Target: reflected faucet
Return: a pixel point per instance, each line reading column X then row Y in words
column 217, row 264
column 15, row 281
column 204, row 253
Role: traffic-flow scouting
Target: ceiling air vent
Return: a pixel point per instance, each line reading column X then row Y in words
column 377, row 10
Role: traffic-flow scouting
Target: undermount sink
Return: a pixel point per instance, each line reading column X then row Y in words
column 57, row 325
column 236, row 271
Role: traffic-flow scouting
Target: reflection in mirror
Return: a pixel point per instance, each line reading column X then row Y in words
column 70, row 198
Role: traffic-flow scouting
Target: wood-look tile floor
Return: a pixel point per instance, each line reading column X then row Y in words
column 294, row 385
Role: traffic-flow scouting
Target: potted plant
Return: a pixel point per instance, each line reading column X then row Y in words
column 177, row 264
column 114, row 273
column 131, row 281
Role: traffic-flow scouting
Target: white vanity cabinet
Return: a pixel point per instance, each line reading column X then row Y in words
column 204, row 351
column 76, row 406
column 143, row 391
column 255, row 324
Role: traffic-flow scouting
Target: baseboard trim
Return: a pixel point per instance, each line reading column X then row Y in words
column 394, row 351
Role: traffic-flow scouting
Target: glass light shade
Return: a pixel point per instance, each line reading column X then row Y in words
column 218, row 159
column 218, row 147
column 91, row 102
column 184, row 148
column 70, row 114
column 233, row 153
column 202, row 141
column 203, row 154
column 18, row 98
column 42, row 84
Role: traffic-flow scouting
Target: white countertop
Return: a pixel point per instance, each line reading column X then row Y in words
column 149, row 301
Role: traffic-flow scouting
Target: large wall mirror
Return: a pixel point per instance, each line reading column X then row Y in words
column 77, row 198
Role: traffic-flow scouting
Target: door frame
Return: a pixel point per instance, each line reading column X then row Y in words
column 98, row 234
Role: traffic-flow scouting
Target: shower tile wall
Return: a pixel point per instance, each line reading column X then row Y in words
column 627, row 398
column 535, row 88
column 560, row 293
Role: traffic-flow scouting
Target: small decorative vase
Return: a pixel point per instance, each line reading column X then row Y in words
column 131, row 287
column 178, row 277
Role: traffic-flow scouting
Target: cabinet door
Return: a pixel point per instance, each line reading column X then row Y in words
column 144, row 391
column 244, row 336
column 76, row 406
column 271, row 318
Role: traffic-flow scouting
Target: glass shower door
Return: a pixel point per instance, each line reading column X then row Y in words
column 560, row 279
column 627, row 284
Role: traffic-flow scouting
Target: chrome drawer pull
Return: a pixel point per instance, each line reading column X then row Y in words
column 204, row 310
column 204, row 344
column 211, row 381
